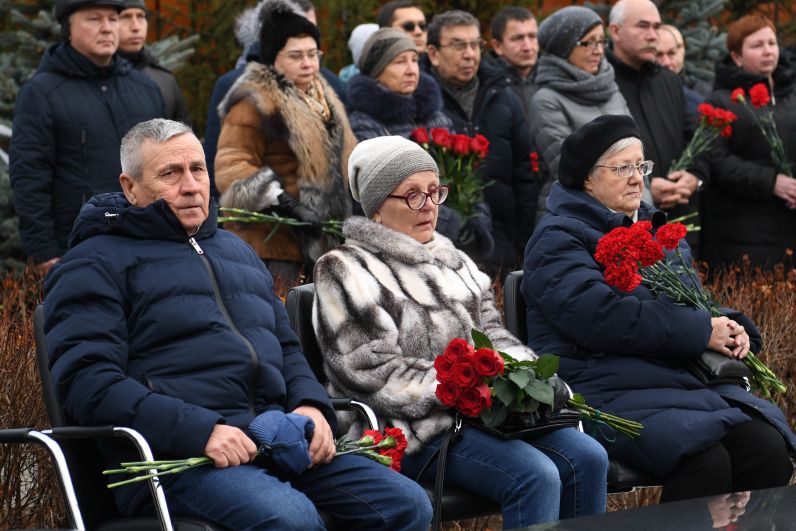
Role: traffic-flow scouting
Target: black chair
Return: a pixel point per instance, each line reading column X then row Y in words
column 79, row 444
column 29, row 435
column 457, row 503
column 621, row 477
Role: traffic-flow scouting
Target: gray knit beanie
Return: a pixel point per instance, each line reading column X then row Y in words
column 381, row 48
column 559, row 32
column 377, row 166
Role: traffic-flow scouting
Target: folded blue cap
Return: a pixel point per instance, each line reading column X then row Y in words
column 285, row 438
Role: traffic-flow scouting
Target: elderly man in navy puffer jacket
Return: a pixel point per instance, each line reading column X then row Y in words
column 159, row 321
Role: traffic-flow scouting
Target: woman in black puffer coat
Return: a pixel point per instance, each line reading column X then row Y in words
column 749, row 205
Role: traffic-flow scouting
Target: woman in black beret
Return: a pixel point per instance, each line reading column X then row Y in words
column 624, row 351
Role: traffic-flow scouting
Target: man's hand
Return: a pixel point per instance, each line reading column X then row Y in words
column 322, row 448
column 666, row 194
column 229, row 446
column 45, row 267
column 687, row 183
column 728, row 338
column 785, row 189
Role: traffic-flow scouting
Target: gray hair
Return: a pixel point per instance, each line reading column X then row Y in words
column 617, row 14
column 449, row 19
column 157, row 130
column 616, row 147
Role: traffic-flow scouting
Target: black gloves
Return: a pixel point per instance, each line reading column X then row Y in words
column 560, row 395
column 291, row 207
column 475, row 238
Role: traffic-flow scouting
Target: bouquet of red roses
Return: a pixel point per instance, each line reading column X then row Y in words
column 470, row 376
column 458, row 158
column 760, row 97
column 713, row 122
column 631, row 255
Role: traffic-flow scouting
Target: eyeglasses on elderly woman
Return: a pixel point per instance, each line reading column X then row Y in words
column 415, row 199
column 626, row 170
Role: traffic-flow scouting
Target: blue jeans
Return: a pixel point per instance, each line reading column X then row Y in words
column 559, row 475
column 357, row 492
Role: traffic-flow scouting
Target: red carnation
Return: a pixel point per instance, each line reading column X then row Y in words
column 458, row 351
column 487, row 362
column 479, row 144
column 738, row 96
column 398, row 435
column 464, row 375
column 624, row 277
column 645, row 226
column 376, row 435
column 726, row 132
column 447, row 393
column 440, row 136
column 759, row 95
column 461, row 144
column 670, row 235
column 396, row 457
column 535, row 161
column 419, row 135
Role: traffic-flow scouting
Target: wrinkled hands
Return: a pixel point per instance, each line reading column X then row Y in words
column 727, row 508
column 229, row 446
column 785, row 189
column 729, row 338
column 676, row 189
column 322, row 449
column 291, row 207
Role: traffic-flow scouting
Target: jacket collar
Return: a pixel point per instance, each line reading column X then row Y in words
column 624, row 70
column 368, row 96
column 64, row 60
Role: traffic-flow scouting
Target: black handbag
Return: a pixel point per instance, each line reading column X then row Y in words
column 517, row 426
column 712, row 368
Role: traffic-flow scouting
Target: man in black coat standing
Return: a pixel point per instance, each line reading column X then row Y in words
column 69, row 120
column 133, row 26
column 656, row 101
column 478, row 99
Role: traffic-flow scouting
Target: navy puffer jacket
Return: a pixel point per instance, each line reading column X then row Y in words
column 623, row 351
column 69, row 120
column 145, row 331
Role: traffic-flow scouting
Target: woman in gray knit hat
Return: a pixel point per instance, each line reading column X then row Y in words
column 390, row 299
column 575, row 84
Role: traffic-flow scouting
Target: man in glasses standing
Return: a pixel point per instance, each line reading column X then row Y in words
column 405, row 15
column 478, row 99
column 656, row 101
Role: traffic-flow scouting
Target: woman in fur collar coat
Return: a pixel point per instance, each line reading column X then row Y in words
column 284, row 143
column 388, row 302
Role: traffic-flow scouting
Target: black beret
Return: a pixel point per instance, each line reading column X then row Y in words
column 582, row 149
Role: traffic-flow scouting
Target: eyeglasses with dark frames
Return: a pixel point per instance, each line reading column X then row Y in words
column 409, row 26
column 415, row 199
column 297, row 56
column 460, row 46
column 626, row 169
column 598, row 43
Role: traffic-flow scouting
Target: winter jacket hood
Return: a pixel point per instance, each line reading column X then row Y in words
column 730, row 76
column 368, row 96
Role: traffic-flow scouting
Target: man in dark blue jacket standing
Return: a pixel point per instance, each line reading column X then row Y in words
column 478, row 99
column 160, row 321
column 69, row 120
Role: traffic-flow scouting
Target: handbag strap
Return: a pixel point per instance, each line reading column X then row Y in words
column 452, row 436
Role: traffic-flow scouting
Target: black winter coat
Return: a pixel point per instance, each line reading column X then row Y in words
column 69, row 120
column 376, row 111
column 145, row 332
column 658, row 104
column 623, row 351
column 176, row 108
column 513, row 189
column 740, row 214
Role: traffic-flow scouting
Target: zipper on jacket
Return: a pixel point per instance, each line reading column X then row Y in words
column 217, row 294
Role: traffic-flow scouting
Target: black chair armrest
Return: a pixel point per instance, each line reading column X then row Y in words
column 364, row 410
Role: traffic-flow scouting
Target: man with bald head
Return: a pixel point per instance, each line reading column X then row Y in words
column 656, row 101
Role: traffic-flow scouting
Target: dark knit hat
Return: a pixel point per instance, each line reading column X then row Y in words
column 377, row 166
column 279, row 21
column 582, row 149
column 139, row 4
column 381, row 48
column 64, row 8
column 559, row 32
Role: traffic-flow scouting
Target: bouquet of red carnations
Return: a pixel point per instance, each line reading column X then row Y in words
column 713, row 122
column 631, row 255
column 458, row 158
column 386, row 448
column 760, row 97
column 481, row 382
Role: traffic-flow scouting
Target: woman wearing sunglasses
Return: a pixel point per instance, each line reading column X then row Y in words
column 575, row 84
column 390, row 300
